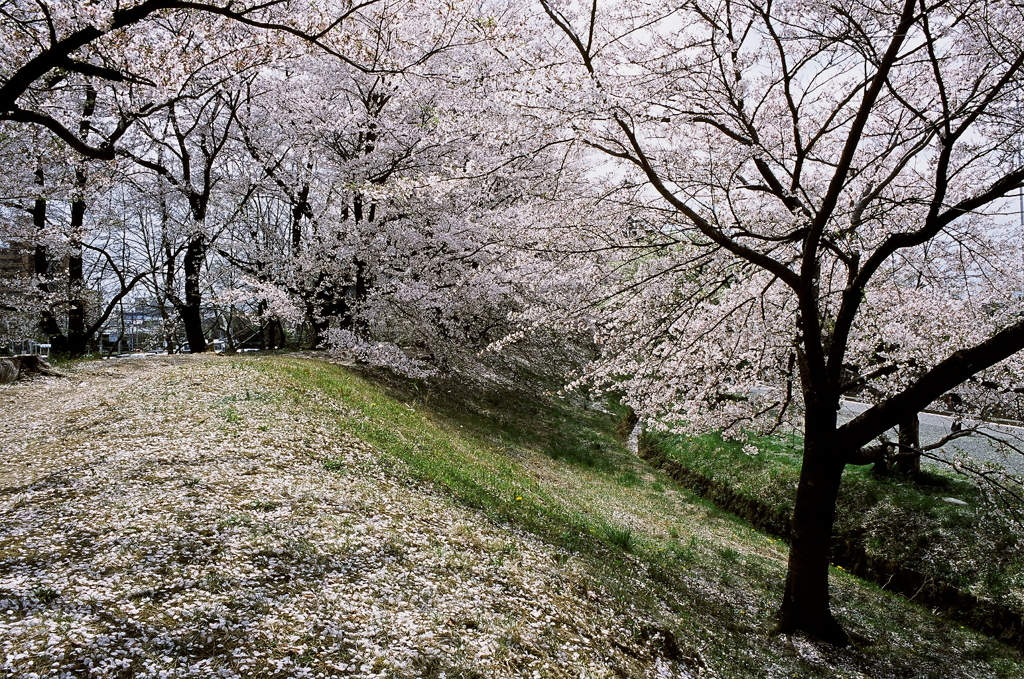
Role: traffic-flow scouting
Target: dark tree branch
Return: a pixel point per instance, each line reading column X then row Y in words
column 945, row 376
column 807, row 292
column 58, row 55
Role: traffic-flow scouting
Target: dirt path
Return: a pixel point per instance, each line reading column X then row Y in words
column 175, row 517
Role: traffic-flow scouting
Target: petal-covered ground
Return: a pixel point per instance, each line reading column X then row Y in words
column 277, row 516
column 177, row 516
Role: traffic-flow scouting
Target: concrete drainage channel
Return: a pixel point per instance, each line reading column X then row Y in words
column 848, row 552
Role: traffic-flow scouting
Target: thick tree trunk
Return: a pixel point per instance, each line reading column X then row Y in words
column 908, row 460
column 171, row 334
column 77, row 336
column 266, row 331
column 319, row 327
column 191, row 310
column 281, row 337
column 350, row 300
column 299, row 210
column 805, row 605
column 78, row 340
column 48, row 324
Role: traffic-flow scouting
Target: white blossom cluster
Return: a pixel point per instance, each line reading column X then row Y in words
column 716, row 155
column 346, row 343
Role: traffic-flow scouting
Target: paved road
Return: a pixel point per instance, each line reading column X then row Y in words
column 934, row 427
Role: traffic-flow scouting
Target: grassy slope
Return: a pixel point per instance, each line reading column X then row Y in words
column 563, row 475
column 969, row 546
column 206, row 516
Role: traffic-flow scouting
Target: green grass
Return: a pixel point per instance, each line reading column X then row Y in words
column 910, row 522
column 561, row 472
column 478, row 464
column 619, row 536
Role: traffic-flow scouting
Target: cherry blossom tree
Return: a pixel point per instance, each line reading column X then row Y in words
column 193, row 143
column 52, row 48
column 820, row 190
column 87, row 73
column 395, row 184
column 447, row 187
column 352, row 103
column 784, row 203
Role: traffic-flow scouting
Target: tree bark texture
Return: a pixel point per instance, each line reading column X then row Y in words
column 191, row 310
column 908, row 460
column 78, row 338
column 805, row 604
column 48, row 325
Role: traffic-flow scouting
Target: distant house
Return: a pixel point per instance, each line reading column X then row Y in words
column 21, row 303
column 17, row 325
column 17, row 260
column 142, row 314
